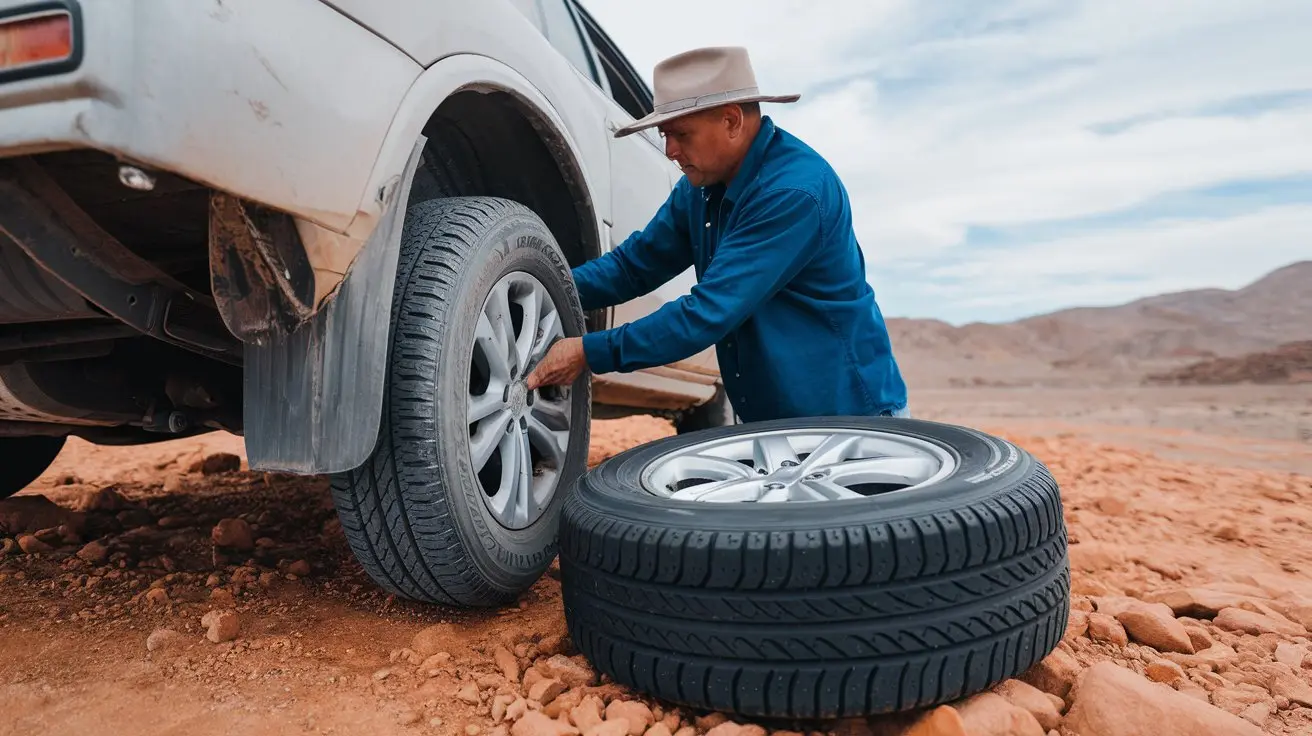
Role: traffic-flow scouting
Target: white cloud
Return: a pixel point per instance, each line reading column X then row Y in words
column 942, row 117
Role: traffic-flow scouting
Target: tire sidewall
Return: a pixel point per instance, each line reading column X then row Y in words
column 517, row 241
column 986, row 466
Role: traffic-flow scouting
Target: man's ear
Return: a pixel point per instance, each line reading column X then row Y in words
column 733, row 120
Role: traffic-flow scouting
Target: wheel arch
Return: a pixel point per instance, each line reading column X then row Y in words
column 313, row 399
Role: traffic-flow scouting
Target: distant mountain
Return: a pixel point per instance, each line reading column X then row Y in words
column 1112, row 344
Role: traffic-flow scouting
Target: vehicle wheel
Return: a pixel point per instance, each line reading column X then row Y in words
column 717, row 412
column 459, row 502
column 816, row 568
column 26, row 458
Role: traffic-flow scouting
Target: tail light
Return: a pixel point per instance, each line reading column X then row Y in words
column 36, row 40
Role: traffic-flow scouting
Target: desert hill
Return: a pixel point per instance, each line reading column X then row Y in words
column 1115, row 344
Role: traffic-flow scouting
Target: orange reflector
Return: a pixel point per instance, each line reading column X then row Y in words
column 35, row 40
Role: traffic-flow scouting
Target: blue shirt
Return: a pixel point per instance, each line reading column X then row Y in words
column 781, row 290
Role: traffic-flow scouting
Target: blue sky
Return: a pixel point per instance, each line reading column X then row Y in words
column 1019, row 156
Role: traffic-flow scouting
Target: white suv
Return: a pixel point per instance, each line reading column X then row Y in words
column 341, row 229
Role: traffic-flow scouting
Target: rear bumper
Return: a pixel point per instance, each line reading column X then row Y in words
column 283, row 103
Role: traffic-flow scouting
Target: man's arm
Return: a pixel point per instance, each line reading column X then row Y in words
column 644, row 261
column 781, row 232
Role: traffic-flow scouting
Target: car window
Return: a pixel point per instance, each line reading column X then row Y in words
column 626, row 85
column 563, row 33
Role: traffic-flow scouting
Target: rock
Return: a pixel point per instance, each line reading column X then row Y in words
column 1055, row 674
column 638, row 715
column 1077, row 624
column 709, row 721
column 1156, row 627
column 517, row 709
column 1198, row 636
column 546, row 690
column 1284, row 685
column 232, row 533
column 1236, row 698
column 553, row 644
column 942, row 721
column 164, row 639
column 1095, row 556
column 1161, row 670
column 499, row 705
column 659, row 729
column 1290, row 654
column 1216, row 657
column 1106, row 629
column 729, row 728
column 408, row 717
column 220, row 462
column 8, row 547
column 473, row 729
column 31, row 545
column 1249, row 622
column 300, row 569
column 94, row 553
column 587, row 713
column 536, row 724
column 686, row 731
column 1113, row 701
column 102, row 499
column 1038, row 703
column 618, row 727
column 507, row 663
column 988, row 714
column 222, row 598
column 157, row 597
column 25, row 514
column 1257, row 714
column 432, row 640
column 573, row 671
column 1196, row 602
column 468, row 693
column 221, row 625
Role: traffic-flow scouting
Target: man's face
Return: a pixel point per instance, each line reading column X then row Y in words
column 703, row 145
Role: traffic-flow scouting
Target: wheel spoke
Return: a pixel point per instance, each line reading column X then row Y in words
column 822, row 489
column 486, row 438
column 487, row 403
column 528, row 328
column 526, row 506
column 503, row 502
column 550, row 328
column 704, row 466
column 908, row 470
column 549, row 442
column 491, row 342
column 832, row 451
column 770, row 452
column 736, row 490
column 498, row 314
column 551, row 414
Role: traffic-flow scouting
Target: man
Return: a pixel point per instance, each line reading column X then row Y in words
column 767, row 226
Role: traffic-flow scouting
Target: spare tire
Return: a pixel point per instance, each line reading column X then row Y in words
column 816, row 568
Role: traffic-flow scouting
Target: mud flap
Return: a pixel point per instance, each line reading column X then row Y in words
column 313, row 399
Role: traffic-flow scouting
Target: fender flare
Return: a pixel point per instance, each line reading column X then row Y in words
column 312, row 400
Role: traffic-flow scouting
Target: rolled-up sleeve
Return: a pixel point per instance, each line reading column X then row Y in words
column 775, row 236
column 644, row 261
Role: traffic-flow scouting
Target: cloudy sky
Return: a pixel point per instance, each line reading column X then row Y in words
column 1012, row 157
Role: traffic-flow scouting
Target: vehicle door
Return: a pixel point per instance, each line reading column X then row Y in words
column 641, row 175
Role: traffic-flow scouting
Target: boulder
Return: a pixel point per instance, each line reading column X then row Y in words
column 1113, row 701
column 1155, row 626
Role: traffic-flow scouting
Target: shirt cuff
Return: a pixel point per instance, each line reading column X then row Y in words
column 596, row 349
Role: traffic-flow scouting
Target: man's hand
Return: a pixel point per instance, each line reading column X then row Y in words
column 561, row 365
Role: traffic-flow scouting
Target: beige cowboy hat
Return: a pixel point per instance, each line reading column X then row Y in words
column 700, row 79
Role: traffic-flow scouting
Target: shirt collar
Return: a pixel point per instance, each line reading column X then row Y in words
column 752, row 161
